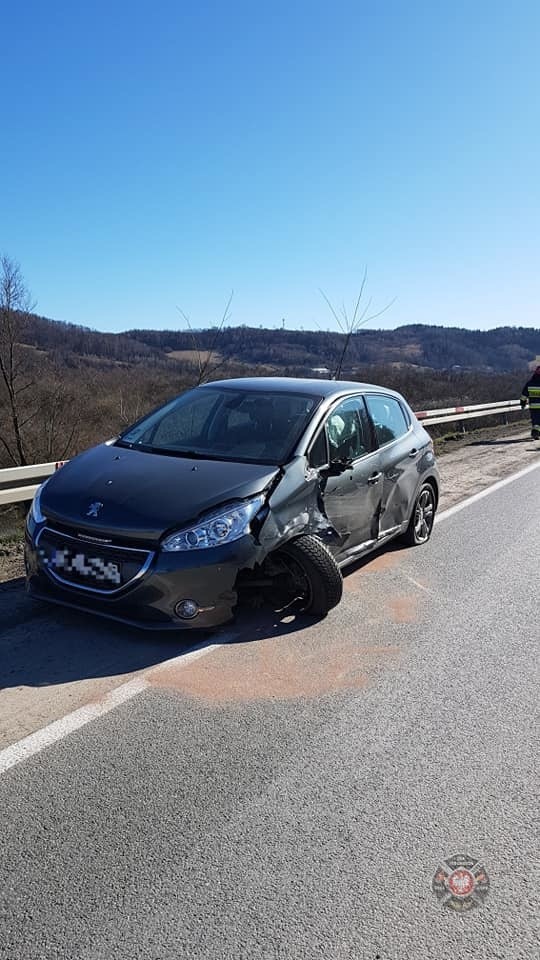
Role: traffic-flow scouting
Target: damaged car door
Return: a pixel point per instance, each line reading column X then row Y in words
column 350, row 475
column 401, row 460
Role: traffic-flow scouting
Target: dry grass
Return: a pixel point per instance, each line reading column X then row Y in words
column 192, row 356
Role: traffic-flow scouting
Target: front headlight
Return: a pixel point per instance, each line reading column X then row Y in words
column 221, row 526
column 35, row 509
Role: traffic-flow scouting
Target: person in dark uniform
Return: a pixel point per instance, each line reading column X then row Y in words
column 531, row 395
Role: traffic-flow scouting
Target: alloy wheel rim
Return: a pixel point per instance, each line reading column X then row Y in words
column 423, row 517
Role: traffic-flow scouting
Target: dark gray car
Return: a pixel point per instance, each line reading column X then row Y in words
column 257, row 486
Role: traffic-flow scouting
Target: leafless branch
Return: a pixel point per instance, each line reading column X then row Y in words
column 204, row 358
column 350, row 323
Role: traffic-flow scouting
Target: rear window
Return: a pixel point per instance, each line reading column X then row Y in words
column 388, row 418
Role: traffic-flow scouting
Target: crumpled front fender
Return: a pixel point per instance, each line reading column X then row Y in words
column 295, row 507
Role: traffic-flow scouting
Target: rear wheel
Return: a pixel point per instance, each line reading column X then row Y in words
column 423, row 517
column 304, row 571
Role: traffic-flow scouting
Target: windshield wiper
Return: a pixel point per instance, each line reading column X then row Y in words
column 131, row 444
column 169, row 451
column 191, row 454
column 185, row 454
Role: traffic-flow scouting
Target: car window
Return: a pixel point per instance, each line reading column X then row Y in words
column 227, row 424
column 347, row 430
column 238, row 419
column 318, row 455
column 388, row 418
column 181, row 424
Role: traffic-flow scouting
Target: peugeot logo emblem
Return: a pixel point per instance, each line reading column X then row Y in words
column 94, row 509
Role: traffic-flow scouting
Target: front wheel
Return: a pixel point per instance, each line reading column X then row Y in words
column 306, row 572
column 423, row 517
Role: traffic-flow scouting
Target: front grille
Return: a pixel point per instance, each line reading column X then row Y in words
column 95, row 567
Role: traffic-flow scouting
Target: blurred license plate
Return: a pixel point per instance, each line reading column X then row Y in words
column 95, row 568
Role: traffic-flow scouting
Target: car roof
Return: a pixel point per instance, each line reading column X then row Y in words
column 323, row 388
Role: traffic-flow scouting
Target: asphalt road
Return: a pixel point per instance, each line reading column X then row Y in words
column 44, row 674
column 292, row 793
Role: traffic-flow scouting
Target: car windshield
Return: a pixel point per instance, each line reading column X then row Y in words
column 226, row 423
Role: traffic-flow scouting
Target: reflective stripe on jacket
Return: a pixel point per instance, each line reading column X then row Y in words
column 531, row 392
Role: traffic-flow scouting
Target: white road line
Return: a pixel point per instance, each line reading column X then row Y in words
column 59, row 729
column 484, row 493
column 36, row 742
column 416, row 583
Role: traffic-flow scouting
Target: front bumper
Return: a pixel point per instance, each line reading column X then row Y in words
column 206, row 576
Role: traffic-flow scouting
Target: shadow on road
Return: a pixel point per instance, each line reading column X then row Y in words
column 43, row 645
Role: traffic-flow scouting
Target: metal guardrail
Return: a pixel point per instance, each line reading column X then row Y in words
column 29, row 479
column 25, row 476
column 454, row 414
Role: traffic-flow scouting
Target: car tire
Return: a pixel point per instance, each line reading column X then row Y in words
column 423, row 516
column 311, row 563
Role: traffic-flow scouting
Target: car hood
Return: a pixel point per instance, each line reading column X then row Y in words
column 144, row 495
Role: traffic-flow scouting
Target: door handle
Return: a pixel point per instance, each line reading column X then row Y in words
column 413, row 452
column 374, row 478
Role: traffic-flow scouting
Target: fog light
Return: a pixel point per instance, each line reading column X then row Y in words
column 186, row 609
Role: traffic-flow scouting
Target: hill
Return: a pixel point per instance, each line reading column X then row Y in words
column 502, row 349
column 73, row 386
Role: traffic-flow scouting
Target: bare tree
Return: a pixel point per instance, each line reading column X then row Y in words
column 350, row 322
column 55, row 424
column 130, row 406
column 40, row 413
column 15, row 378
column 208, row 361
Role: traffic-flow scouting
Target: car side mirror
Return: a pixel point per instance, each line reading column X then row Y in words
column 337, row 467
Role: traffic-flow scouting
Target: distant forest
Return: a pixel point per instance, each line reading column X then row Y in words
column 503, row 349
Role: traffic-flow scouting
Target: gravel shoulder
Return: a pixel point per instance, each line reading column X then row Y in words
column 11, row 561
column 482, row 458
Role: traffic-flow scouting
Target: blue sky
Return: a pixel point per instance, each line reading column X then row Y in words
column 158, row 155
